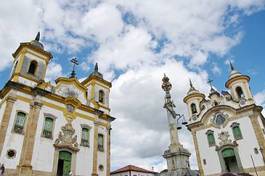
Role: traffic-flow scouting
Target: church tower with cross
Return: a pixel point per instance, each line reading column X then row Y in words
column 53, row 129
column 227, row 127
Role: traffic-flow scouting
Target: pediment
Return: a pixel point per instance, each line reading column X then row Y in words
column 71, row 87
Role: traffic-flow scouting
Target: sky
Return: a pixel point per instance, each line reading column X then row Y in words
column 135, row 42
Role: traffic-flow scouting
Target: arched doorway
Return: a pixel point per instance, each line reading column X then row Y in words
column 230, row 160
column 64, row 163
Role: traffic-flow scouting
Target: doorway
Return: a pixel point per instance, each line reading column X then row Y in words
column 64, row 163
column 230, row 160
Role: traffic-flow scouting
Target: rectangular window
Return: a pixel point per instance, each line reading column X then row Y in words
column 100, row 142
column 48, row 127
column 85, row 137
column 20, row 122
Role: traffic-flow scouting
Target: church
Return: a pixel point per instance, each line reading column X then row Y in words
column 227, row 128
column 53, row 129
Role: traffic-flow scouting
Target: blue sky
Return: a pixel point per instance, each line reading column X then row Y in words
column 135, row 42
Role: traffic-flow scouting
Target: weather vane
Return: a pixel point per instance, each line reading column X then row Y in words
column 75, row 62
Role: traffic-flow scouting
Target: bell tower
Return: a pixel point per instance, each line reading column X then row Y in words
column 30, row 62
column 98, row 90
column 238, row 85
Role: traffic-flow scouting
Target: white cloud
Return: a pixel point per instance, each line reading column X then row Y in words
column 260, row 98
column 54, row 71
column 135, row 51
column 141, row 127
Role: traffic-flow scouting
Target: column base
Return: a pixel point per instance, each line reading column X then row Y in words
column 94, row 174
column 24, row 170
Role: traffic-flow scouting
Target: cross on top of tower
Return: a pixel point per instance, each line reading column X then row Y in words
column 210, row 81
column 75, row 62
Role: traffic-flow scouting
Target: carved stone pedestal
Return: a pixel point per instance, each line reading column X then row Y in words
column 177, row 161
column 25, row 170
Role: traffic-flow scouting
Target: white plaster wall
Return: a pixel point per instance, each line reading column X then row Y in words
column 84, row 158
column 121, row 174
column 141, row 174
column 245, row 146
column 13, row 140
column 208, row 153
column 61, row 90
column 102, row 156
column 106, row 91
column 26, row 82
column 43, row 148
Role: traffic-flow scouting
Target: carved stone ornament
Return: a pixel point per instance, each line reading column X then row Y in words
column 224, row 138
column 67, row 139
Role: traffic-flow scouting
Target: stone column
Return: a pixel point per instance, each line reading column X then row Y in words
column 108, row 149
column 25, row 168
column 258, row 131
column 10, row 100
column 195, row 141
column 95, row 150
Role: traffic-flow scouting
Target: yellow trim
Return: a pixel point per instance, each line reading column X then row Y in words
column 71, row 81
column 236, row 78
column 64, row 110
column 29, row 46
column 97, row 82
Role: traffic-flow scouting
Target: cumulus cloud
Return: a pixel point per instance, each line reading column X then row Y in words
column 135, row 42
column 54, row 71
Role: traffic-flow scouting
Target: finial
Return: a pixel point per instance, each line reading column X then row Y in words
column 166, row 85
column 231, row 66
column 96, row 67
column 37, row 38
column 191, row 85
column 75, row 62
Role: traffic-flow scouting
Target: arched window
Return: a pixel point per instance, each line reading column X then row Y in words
column 20, row 122
column 33, row 67
column 210, row 138
column 239, row 92
column 193, row 108
column 101, row 96
column 236, row 131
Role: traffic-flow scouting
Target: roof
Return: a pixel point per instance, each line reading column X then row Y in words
column 132, row 168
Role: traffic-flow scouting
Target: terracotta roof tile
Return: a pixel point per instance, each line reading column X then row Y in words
column 132, row 168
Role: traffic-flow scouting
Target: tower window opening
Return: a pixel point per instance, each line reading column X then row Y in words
column 239, row 92
column 101, row 96
column 33, row 67
column 193, row 108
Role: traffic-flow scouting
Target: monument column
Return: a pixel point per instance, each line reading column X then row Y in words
column 177, row 156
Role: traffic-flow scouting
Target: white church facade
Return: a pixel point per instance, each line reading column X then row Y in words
column 50, row 129
column 227, row 128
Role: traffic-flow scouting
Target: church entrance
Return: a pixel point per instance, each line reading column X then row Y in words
column 230, row 160
column 64, row 163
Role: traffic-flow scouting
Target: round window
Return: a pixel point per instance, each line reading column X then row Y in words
column 219, row 119
column 11, row 153
column 101, row 167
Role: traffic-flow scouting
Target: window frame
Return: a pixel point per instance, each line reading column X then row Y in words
column 210, row 133
column 237, row 89
column 193, row 106
column 235, row 126
column 47, row 115
column 101, row 148
column 25, row 123
column 85, row 126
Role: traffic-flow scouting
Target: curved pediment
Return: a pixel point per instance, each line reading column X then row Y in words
column 71, row 87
